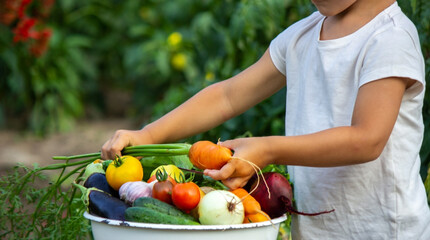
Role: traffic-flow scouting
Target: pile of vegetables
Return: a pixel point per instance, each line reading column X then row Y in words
column 163, row 184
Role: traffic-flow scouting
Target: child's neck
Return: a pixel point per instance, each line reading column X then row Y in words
column 352, row 19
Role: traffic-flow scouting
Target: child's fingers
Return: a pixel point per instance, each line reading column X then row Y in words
column 227, row 176
column 234, row 183
column 107, row 152
column 225, row 172
column 231, row 144
column 114, row 145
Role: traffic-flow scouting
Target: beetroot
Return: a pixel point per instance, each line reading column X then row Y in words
column 281, row 195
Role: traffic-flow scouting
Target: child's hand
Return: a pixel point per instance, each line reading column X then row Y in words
column 248, row 152
column 122, row 139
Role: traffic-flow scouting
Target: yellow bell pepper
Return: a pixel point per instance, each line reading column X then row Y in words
column 123, row 169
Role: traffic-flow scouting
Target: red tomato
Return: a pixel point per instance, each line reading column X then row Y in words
column 163, row 191
column 186, row 196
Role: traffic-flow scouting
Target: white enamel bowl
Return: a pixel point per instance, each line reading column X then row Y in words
column 106, row 229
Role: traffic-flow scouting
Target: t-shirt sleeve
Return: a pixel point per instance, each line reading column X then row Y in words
column 278, row 51
column 394, row 53
column 280, row 45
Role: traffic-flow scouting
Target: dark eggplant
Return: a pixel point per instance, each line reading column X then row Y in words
column 98, row 180
column 103, row 204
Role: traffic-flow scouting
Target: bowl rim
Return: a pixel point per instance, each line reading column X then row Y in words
column 273, row 222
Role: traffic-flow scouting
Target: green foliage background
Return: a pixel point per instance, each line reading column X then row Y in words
column 103, row 50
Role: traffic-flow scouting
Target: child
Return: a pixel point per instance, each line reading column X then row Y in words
column 354, row 75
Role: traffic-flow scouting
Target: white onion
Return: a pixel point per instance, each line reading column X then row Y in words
column 221, row 207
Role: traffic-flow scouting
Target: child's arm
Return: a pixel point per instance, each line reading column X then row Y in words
column 375, row 113
column 207, row 109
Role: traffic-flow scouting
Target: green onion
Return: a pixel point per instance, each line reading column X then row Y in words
column 169, row 149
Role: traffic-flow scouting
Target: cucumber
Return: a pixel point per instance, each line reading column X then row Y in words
column 149, row 215
column 161, row 207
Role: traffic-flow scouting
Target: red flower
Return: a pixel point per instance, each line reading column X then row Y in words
column 23, row 30
column 23, row 7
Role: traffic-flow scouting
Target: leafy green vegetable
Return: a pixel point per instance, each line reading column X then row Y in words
column 150, row 163
column 181, row 161
column 203, row 180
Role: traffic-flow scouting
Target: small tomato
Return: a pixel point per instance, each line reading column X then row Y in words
column 123, row 169
column 186, row 196
column 195, row 211
column 162, row 189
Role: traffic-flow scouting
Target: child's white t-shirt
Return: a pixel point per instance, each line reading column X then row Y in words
column 381, row 199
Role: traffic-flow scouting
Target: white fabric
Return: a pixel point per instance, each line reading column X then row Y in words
column 382, row 199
